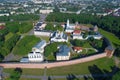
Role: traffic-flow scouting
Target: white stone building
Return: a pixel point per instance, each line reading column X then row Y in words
column 69, row 28
column 42, row 33
column 59, row 37
column 39, row 47
column 4, row 14
column 63, row 53
column 77, row 34
column 43, row 1
column 37, row 53
column 35, row 57
column 46, row 11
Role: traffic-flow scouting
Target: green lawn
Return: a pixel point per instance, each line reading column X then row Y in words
column 23, row 79
column 87, row 45
column 45, row 38
column 29, row 79
column 25, row 45
column 36, row 72
column 103, row 63
column 110, row 36
column 82, row 68
column 8, row 36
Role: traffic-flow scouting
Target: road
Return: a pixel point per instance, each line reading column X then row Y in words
column 42, row 17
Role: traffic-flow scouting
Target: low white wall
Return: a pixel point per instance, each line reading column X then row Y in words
column 42, row 33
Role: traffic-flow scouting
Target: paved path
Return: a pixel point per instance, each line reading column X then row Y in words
column 60, row 77
column 45, row 74
column 9, row 57
column 117, row 61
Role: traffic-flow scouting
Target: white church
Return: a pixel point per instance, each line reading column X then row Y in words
column 37, row 53
column 69, row 28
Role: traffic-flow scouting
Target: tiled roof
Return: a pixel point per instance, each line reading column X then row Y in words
column 77, row 31
column 1, row 27
column 40, row 44
column 63, row 50
column 77, row 48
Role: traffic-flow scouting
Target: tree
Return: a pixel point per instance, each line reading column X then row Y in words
column 108, row 23
column 117, row 51
column 85, row 35
column 1, row 57
column 77, row 42
column 13, row 26
column 116, row 76
column 95, row 43
column 24, row 27
column 10, row 43
column 4, row 31
column 49, row 26
column 51, row 48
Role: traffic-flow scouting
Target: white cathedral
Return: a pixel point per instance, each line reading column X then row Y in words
column 69, row 28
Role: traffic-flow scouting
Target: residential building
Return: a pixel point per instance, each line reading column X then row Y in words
column 42, row 33
column 4, row 14
column 46, row 11
column 39, row 47
column 35, row 57
column 77, row 34
column 37, row 53
column 2, row 27
column 59, row 37
column 63, row 53
column 40, row 26
column 2, row 23
column 43, row 1
column 97, row 35
column 77, row 49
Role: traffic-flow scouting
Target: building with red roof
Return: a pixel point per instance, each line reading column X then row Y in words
column 76, row 32
column 77, row 49
column 2, row 27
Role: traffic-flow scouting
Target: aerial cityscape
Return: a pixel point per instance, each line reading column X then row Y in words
column 59, row 39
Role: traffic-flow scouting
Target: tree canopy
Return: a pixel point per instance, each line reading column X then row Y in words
column 108, row 23
column 21, row 27
column 116, row 76
column 19, row 17
column 15, row 75
column 77, row 42
column 52, row 27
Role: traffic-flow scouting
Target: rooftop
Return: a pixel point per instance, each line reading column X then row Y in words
column 77, row 31
column 77, row 48
column 40, row 44
column 59, row 35
column 2, row 27
column 63, row 50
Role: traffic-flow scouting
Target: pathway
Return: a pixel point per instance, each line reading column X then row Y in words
column 60, row 77
column 117, row 61
column 9, row 57
column 45, row 74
